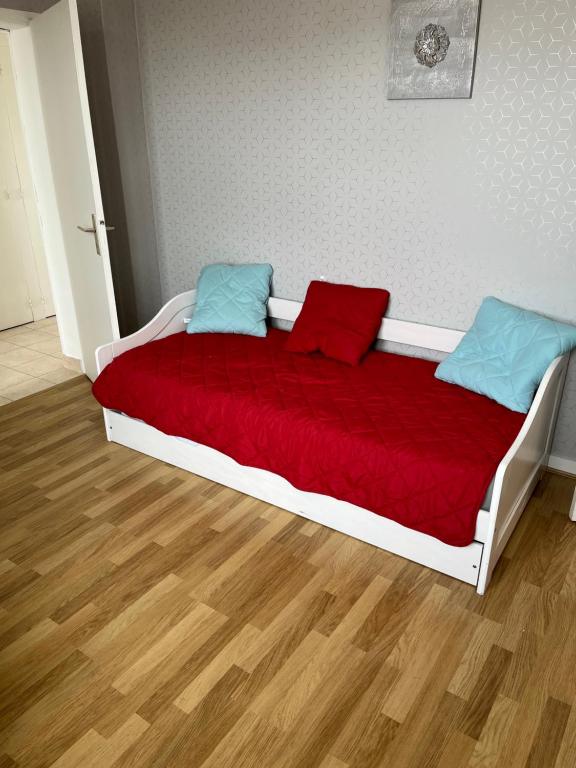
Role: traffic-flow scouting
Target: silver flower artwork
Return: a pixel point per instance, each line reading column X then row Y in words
column 432, row 48
column 431, row 45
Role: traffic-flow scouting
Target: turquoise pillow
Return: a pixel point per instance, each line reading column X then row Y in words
column 506, row 353
column 232, row 299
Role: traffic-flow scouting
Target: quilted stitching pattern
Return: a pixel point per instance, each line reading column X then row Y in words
column 232, row 299
column 385, row 435
column 506, row 353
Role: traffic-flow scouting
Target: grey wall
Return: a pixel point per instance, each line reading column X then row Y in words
column 271, row 139
column 122, row 57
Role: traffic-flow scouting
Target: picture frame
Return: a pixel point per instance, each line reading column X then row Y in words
column 433, row 48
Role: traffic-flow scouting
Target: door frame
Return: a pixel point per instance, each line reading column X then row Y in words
column 37, row 151
column 33, row 258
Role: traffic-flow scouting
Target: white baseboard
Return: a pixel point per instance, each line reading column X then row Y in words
column 562, row 464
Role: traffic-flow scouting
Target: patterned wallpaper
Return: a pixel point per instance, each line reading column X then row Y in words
column 271, row 138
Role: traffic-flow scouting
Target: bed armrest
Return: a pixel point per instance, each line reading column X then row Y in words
column 169, row 320
column 520, row 469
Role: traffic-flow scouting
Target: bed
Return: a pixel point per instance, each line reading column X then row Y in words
column 382, row 452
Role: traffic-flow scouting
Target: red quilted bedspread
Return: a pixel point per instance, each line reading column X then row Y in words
column 385, row 435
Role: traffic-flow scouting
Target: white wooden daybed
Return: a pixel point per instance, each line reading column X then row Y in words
column 514, row 482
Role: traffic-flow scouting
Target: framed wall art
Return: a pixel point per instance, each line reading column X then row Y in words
column 433, row 48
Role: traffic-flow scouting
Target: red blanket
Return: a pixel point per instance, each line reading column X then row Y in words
column 385, row 435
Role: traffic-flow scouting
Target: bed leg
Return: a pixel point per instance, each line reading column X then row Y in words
column 573, row 508
column 482, row 585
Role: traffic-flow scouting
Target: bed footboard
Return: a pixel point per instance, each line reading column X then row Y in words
column 168, row 320
column 520, row 469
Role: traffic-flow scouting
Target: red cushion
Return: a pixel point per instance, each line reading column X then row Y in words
column 341, row 321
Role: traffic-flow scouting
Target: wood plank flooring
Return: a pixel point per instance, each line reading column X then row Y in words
column 152, row 618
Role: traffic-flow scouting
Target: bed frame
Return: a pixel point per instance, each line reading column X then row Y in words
column 514, row 482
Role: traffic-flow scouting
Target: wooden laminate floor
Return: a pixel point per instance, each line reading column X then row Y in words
column 149, row 618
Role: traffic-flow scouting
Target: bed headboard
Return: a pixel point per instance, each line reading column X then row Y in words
column 399, row 331
column 172, row 316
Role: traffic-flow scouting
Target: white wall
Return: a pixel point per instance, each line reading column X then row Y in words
column 271, row 139
column 33, row 121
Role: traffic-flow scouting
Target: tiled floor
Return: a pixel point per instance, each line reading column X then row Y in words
column 31, row 359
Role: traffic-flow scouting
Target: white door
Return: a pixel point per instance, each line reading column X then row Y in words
column 57, row 46
column 15, row 303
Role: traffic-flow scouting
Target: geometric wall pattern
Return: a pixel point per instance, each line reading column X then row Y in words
column 522, row 129
column 271, row 139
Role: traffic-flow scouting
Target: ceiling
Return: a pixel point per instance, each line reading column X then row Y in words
column 36, row 6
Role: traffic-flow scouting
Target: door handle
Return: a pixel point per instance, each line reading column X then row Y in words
column 93, row 230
